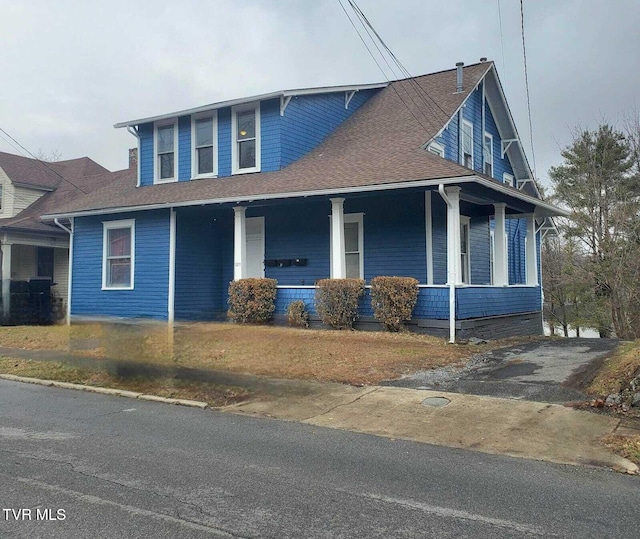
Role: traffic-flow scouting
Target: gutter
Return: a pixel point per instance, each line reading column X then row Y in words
column 452, row 286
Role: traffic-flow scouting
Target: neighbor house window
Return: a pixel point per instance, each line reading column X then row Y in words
column 465, row 246
column 436, row 149
column 467, row 144
column 353, row 245
column 205, row 141
column 488, row 154
column 507, row 179
column 118, row 254
column 165, row 145
column 246, row 138
column 44, row 262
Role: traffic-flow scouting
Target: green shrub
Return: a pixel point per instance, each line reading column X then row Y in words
column 337, row 301
column 297, row 314
column 252, row 300
column 393, row 300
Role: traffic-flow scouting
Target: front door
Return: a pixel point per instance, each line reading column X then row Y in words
column 255, row 246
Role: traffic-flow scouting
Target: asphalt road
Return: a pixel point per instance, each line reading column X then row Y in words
column 547, row 371
column 121, row 468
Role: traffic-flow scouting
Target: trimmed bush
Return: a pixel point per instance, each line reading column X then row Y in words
column 337, row 301
column 393, row 300
column 297, row 315
column 252, row 300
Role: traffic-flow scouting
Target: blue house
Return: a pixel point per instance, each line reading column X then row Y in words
column 423, row 177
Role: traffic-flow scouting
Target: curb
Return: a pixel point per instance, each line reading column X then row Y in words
column 105, row 391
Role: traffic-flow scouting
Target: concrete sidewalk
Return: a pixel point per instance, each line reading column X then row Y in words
column 524, row 429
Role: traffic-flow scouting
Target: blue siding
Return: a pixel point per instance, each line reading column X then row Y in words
column 475, row 302
column 224, row 142
column 200, row 235
column 449, row 138
column 184, row 148
column 286, row 295
column 472, row 112
column 149, row 298
column 480, row 250
column 517, row 232
column 270, row 125
column 309, row 119
column 432, row 303
column 439, row 235
column 145, row 132
column 500, row 166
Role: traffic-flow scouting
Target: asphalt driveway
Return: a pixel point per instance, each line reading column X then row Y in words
column 547, row 371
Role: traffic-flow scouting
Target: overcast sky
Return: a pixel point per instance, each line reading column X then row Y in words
column 70, row 69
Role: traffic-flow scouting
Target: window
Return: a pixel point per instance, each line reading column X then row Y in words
column 488, row 154
column 165, row 146
column 436, row 149
column 44, row 262
column 118, row 255
column 465, row 250
column 205, row 141
column 353, row 246
column 507, row 179
column 246, row 139
column 0, row 197
column 467, row 144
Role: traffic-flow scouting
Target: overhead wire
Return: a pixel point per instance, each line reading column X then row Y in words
column 526, row 83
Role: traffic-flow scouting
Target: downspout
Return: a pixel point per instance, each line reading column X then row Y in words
column 484, row 127
column 70, row 232
column 134, row 132
column 452, row 285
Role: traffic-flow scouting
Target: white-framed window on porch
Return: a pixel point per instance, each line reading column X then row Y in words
column 353, row 245
column 465, row 249
column 118, row 254
column 245, row 129
column 204, row 134
column 467, row 144
column 165, row 150
column 488, row 154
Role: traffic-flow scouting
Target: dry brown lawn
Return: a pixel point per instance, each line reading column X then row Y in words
column 354, row 357
column 617, row 371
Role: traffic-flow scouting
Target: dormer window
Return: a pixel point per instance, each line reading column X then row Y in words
column 165, row 149
column 205, row 141
column 436, row 149
column 467, row 144
column 246, row 139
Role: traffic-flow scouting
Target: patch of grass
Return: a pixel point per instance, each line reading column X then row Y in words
column 617, row 371
column 625, row 446
column 355, row 357
column 212, row 394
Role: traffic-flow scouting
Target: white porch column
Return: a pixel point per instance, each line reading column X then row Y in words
column 428, row 221
column 500, row 258
column 6, row 280
column 532, row 252
column 338, row 262
column 239, row 243
column 454, row 261
column 172, row 265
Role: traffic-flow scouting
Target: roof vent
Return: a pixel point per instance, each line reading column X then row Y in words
column 459, row 86
column 483, row 59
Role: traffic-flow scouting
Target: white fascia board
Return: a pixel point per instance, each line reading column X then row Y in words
column 494, row 185
column 251, row 99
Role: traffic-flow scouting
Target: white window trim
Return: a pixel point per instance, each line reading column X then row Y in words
column 350, row 218
column 436, row 149
column 194, row 154
column 156, row 171
column 109, row 225
column 466, row 221
column 484, row 159
column 507, row 179
column 470, row 124
column 234, row 138
column 492, row 255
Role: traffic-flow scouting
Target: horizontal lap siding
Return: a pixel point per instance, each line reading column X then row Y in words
column 309, row 119
column 184, row 148
column 517, row 232
column 199, row 283
column 149, row 298
column 145, row 132
column 285, row 296
column 500, row 165
column 472, row 112
column 480, row 251
column 224, row 142
column 433, row 303
column 270, row 124
column 487, row 301
column 439, row 235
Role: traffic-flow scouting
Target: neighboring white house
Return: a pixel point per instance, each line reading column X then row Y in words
column 29, row 188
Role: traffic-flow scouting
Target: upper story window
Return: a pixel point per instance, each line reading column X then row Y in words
column 205, row 141
column 166, row 143
column 467, row 144
column 507, row 179
column 488, row 154
column 246, row 138
column 436, row 148
column 118, row 254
